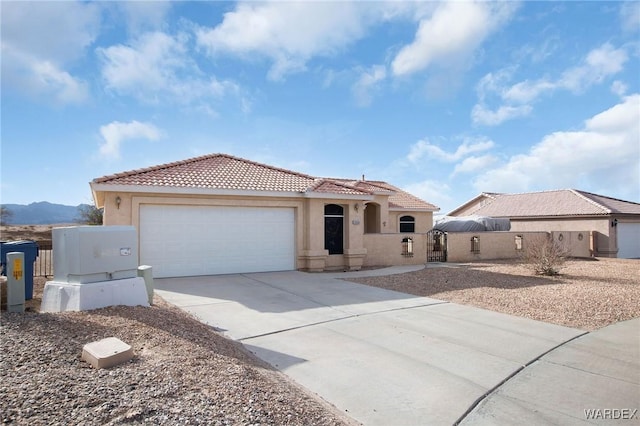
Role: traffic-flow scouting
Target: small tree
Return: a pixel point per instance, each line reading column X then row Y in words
column 545, row 255
column 5, row 215
column 89, row 215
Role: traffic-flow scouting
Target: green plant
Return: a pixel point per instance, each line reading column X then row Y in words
column 89, row 215
column 545, row 255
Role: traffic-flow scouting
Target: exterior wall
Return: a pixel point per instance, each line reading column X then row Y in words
column 386, row 249
column 469, row 209
column 309, row 218
column 424, row 220
column 502, row 245
column 604, row 242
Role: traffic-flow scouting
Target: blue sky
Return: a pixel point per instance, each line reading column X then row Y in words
column 443, row 99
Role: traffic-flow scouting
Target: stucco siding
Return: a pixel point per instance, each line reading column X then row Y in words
column 603, row 240
column 387, row 250
column 502, row 245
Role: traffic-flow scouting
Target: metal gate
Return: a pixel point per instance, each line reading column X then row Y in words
column 436, row 246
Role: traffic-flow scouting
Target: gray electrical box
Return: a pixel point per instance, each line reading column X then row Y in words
column 87, row 254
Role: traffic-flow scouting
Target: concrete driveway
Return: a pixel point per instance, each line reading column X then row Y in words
column 388, row 358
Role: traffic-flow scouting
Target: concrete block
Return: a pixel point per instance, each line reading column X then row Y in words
column 146, row 272
column 62, row 296
column 107, row 352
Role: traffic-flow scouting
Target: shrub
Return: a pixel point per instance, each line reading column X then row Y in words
column 89, row 215
column 545, row 255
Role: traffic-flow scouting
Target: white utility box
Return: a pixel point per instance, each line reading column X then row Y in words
column 94, row 267
column 85, row 254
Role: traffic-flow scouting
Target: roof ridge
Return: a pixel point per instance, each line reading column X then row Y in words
column 267, row 166
column 544, row 191
column 134, row 172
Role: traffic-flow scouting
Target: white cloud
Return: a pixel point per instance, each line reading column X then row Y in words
column 474, row 164
column 116, row 132
column 483, row 115
column 42, row 78
column 598, row 64
column 619, row 88
column 289, row 34
column 603, row 154
column 424, row 148
column 451, row 33
column 39, row 40
column 56, row 31
column 367, row 84
column 433, row 191
column 156, row 67
column 630, row 16
column 144, row 15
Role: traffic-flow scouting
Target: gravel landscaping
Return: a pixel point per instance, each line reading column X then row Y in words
column 183, row 373
column 588, row 294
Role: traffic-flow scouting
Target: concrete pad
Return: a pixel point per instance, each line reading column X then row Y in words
column 385, row 357
column 597, row 371
column 244, row 306
column 404, row 364
column 107, row 353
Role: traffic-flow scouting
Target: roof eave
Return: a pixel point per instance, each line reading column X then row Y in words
column 414, row 209
column 100, row 188
column 336, row 196
column 564, row 216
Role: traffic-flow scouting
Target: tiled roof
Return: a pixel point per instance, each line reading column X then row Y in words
column 566, row 202
column 332, row 186
column 612, row 204
column 221, row 171
column 216, row 171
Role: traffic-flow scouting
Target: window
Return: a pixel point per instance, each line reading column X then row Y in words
column 334, row 228
column 407, row 224
column 407, row 247
column 518, row 242
column 475, row 244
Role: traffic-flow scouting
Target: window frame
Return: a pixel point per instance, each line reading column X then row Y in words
column 334, row 218
column 407, row 220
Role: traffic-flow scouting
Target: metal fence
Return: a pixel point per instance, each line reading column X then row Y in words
column 43, row 266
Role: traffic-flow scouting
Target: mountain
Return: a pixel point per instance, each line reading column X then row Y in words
column 41, row 213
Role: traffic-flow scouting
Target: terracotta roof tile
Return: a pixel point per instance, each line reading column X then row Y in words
column 335, row 187
column 217, row 171
column 567, row 202
column 221, row 171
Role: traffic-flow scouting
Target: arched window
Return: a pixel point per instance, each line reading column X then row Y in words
column 407, row 247
column 518, row 242
column 407, row 224
column 475, row 244
column 334, row 228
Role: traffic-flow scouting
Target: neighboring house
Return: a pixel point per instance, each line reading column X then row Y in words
column 220, row 214
column 614, row 224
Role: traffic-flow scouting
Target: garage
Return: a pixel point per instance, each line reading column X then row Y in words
column 628, row 240
column 209, row 240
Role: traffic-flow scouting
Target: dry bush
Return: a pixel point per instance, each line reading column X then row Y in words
column 545, row 256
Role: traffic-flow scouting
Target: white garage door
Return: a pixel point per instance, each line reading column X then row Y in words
column 628, row 240
column 182, row 241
